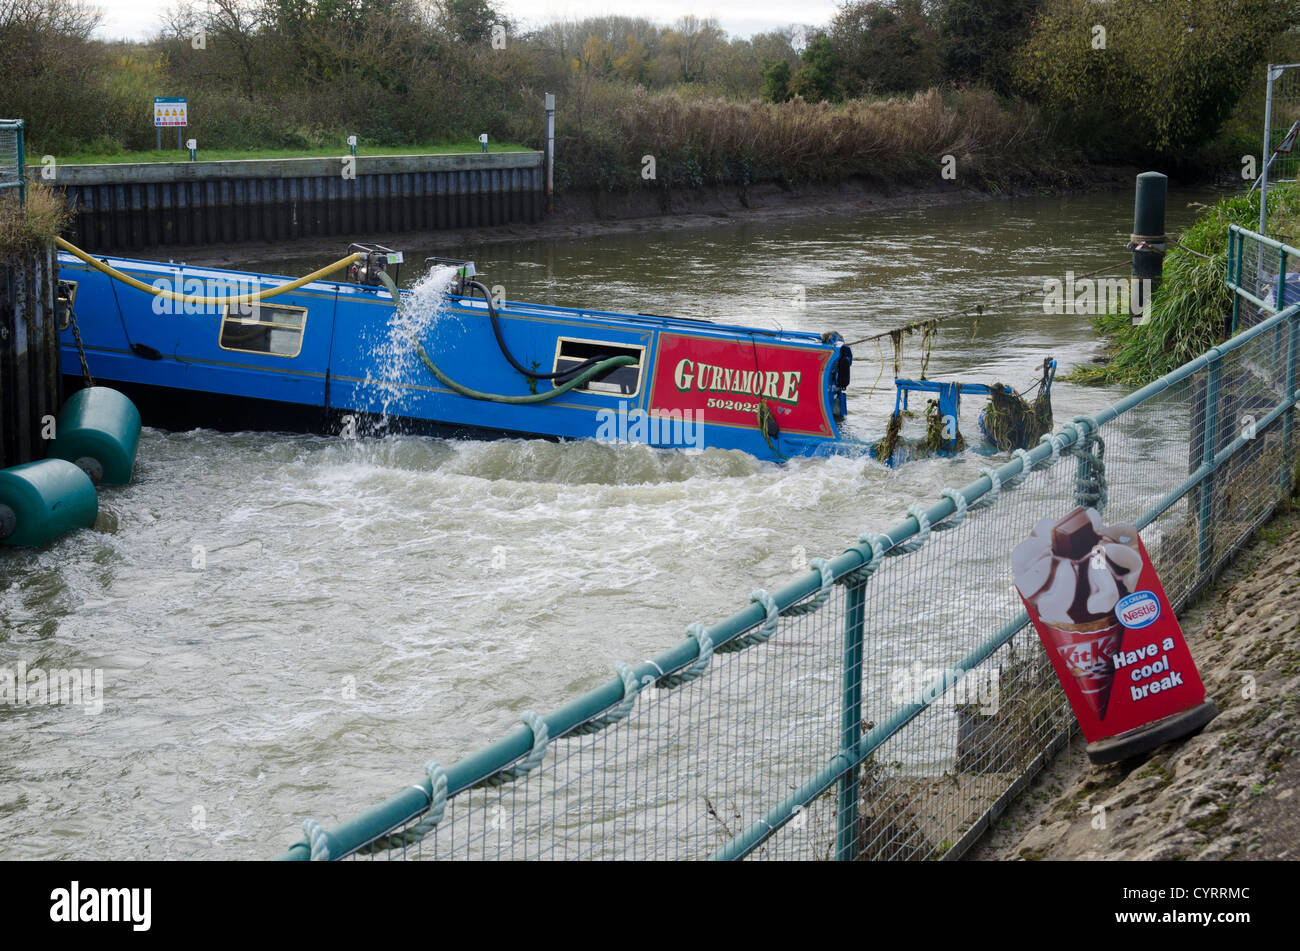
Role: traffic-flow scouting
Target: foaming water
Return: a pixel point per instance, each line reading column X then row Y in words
column 293, row 625
column 392, row 357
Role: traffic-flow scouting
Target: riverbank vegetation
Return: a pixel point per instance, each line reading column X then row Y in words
column 1191, row 309
column 229, row 155
column 1014, row 90
column 31, row 225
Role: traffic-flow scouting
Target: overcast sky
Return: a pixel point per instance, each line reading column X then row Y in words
column 136, row 19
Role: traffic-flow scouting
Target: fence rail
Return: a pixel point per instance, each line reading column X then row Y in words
column 889, row 702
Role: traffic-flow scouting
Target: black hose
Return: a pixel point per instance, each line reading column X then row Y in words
column 560, row 376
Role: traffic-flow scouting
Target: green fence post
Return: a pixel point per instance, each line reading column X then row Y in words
column 1288, row 418
column 1235, row 243
column 1281, row 279
column 846, row 835
column 1210, row 439
column 22, row 161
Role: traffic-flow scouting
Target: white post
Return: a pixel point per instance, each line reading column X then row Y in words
column 1273, row 73
column 550, row 152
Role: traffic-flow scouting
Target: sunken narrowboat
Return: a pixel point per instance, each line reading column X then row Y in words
column 241, row 350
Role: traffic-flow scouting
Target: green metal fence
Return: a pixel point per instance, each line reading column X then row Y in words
column 12, row 174
column 886, row 704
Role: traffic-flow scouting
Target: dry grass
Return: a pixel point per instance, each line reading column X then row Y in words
column 33, row 227
column 716, row 142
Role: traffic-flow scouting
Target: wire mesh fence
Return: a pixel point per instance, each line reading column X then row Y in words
column 11, row 155
column 1281, row 136
column 1263, row 275
column 886, row 704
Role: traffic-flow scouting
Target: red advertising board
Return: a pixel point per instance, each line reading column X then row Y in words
column 722, row 381
column 1106, row 623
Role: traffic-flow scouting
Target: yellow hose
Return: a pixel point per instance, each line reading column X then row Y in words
column 181, row 298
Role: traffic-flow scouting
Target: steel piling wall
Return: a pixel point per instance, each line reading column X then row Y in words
column 128, row 207
column 30, row 379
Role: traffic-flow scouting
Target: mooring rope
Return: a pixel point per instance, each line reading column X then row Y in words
column 764, row 631
column 536, row 753
column 976, row 310
column 697, row 667
column 959, row 514
column 620, row 710
column 1090, row 481
column 823, row 569
column 320, row 848
column 864, row 571
column 917, row 541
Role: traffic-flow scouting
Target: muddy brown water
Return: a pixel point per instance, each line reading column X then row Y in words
column 364, row 606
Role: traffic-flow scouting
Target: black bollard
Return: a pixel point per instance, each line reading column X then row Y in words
column 1147, row 242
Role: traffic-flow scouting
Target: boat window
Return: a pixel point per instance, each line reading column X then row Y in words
column 263, row 328
column 621, row 381
column 64, row 301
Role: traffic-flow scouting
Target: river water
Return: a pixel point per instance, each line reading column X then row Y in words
column 293, row 625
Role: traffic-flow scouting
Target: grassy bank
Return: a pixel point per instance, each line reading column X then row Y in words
column 1190, row 309
column 231, row 155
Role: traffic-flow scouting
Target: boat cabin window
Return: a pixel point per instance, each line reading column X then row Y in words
column 273, row 329
column 64, row 301
column 621, row 381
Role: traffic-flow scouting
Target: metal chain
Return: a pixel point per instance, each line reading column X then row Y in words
column 81, row 351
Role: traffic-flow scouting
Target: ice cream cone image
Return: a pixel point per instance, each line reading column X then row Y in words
column 1073, row 572
column 1086, row 651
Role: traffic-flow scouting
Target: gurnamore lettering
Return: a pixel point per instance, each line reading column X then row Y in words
column 782, row 386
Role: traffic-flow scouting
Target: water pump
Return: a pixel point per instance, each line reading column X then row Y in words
column 376, row 259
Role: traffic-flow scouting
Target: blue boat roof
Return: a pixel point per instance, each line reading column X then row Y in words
column 344, row 288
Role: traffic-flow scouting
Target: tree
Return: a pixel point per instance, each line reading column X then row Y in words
column 816, row 78
column 633, row 64
column 596, row 58
column 467, row 21
column 776, row 81
column 979, row 38
column 1136, row 80
column 689, row 45
column 886, row 46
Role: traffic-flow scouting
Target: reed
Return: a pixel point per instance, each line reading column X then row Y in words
column 709, row 141
column 31, row 227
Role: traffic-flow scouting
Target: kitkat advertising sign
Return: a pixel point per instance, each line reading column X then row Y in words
column 722, row 381
column 1103, row 617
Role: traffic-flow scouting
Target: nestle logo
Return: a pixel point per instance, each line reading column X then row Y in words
column 1138, row 609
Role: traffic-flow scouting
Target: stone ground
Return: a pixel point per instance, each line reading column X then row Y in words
column 1230, row 792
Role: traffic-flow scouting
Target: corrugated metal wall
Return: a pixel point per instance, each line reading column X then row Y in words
column 135, row 212
column 30, row 381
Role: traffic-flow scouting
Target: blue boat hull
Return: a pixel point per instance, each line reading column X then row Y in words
column 313, row 357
